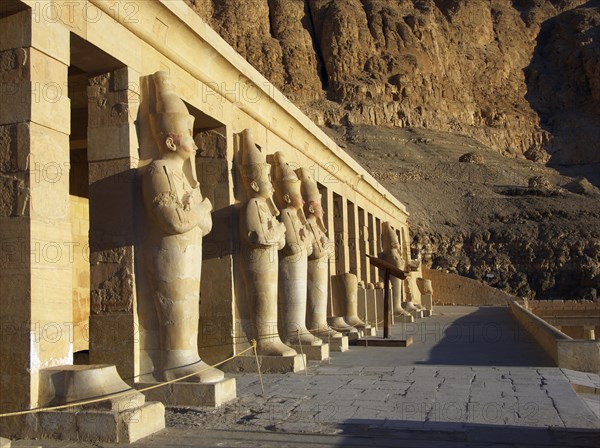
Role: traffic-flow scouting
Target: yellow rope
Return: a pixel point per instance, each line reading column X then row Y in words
column 302, row 353
column 124, row 393
column 262, row 386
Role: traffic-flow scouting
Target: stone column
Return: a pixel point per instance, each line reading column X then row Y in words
column 35, row 229
column 113, row 100
column 363, row 245
column 373, row 245
column 214, row 168
column 354, row 240
column 340, row 224
column 327, row 203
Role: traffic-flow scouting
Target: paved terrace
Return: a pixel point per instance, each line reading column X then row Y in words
column 471, row 378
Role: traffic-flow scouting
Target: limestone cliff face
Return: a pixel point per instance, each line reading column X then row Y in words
column 522, row 76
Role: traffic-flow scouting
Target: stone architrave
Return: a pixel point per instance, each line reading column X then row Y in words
column 392, row 254
column 261, row 237
column 177, row 218
column 293, row 262
column 318, row 260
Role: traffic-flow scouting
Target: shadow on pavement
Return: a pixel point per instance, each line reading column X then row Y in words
column 403, row 433
column 489, row 336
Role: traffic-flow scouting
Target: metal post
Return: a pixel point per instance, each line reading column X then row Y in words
column 386, row 306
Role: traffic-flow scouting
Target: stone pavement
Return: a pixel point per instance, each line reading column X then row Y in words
column 471, row 378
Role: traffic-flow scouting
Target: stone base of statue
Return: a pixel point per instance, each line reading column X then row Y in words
column 418, row 314
column 369, row 331
column 4, row 443
column 380, row 342
column 268, row 364
column 313, row 352
column 123, row 419
column 404, row 318
column 192, row 394
column 352, row 335
column 339, row 344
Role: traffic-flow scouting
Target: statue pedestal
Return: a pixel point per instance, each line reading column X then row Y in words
column 404, row 318
column 268, row 364
column 123, row 419
column 369, row 331
column 352, row 335
column 97, row 425
column 338, row 344
column 418, row 314
column 192, row 394
column 313, row 352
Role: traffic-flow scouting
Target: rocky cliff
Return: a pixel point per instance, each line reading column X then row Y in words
column 521, row 76
column 410, row 86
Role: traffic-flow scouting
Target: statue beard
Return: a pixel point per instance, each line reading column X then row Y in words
column 272, row 207
column 189, row 169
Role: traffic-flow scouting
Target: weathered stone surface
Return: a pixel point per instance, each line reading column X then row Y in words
column 445, row 64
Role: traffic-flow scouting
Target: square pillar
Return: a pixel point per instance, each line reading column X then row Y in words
column 114, row 201
column 35, row 228
column 218, row 333
column 340, row 224
column 354, row 240
column 373, row 245
column 327, row 204
column 363, row 245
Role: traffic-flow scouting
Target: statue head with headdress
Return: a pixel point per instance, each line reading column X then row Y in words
column 172, row 125
column 389, row 237
column 312, row 197
column 288, row 186
column 255, row 171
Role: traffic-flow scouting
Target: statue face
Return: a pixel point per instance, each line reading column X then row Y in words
column 183, row 145
column 316, row 210
column 296, row 201
column 264, row 187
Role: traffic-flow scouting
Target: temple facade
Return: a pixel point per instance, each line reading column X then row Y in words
column 73, row 77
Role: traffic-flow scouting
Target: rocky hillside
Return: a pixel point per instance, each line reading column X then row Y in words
column 408, row 86
column 515, row 224
column 522, row 76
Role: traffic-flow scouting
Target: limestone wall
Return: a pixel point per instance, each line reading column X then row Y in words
column 451, row 289
column 566, row 352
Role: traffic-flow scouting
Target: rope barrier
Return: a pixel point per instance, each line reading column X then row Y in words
column 302, row 353
column 262, row 386
column 127, row 392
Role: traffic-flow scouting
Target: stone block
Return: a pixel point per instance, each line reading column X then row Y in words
column 404, row 318
column 418, row 314
column 98, row 425
column 4, row 443
column 313, row 352
column 370, row 331
column 339, row 344
column 268, row 364
column 192, row 394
